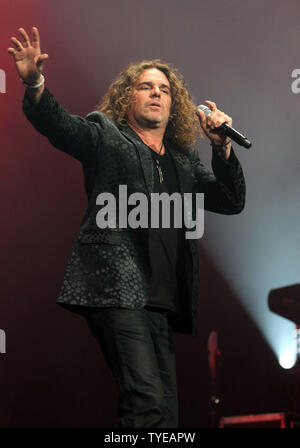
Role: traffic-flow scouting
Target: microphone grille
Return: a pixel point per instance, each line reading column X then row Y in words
column 205, row 109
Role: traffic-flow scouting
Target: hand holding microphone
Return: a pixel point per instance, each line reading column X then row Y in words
column 218, row 126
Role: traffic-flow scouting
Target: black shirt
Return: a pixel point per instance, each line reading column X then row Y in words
column 165, row 244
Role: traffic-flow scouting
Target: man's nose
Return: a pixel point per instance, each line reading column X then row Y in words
column 155, row 91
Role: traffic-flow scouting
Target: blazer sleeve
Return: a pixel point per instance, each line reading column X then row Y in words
column 79, row 137
column 224, row 189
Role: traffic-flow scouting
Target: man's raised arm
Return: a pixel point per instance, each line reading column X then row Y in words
column 77, row 136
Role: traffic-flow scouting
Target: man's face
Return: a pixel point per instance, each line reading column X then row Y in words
column 151, row 100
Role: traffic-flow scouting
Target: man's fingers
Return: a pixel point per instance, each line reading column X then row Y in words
column 25, row 37
column 11, row 51
column 201, row 115
column 219, row 117
column 211, row 105
column 41, row 59
column 216, row 118
column 17, row 43
column 35, row 37
column 205, row 121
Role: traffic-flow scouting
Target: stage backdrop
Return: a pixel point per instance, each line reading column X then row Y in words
column 245, row 57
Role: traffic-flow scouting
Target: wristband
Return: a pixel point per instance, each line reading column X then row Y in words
column 35, row 86
column 223, row 146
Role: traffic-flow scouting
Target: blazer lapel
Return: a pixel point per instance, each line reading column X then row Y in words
column 143, row 155
column 182, row 168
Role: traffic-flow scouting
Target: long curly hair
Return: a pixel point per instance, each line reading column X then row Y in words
column 183, row 126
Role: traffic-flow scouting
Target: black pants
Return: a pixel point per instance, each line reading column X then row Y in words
column 138, row 346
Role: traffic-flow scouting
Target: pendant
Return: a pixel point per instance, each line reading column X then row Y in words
column 160, row 174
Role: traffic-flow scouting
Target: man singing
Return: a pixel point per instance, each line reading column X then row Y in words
column 135, row 286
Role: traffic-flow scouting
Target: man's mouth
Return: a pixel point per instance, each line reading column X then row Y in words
column 155, row 104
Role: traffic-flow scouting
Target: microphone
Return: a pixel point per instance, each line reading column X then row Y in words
column 228, row 130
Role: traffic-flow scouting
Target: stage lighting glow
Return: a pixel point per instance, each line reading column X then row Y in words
column 288, row 358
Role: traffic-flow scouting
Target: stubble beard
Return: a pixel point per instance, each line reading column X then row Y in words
column 150, row 123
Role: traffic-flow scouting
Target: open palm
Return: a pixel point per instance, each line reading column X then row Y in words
column 27, row 55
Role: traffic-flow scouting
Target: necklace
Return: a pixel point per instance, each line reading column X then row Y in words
column 158, row 167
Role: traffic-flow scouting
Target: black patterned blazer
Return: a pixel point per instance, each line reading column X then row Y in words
column 110, row 267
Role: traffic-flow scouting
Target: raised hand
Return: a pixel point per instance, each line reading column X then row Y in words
column 210, row 125
column 27, row 55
